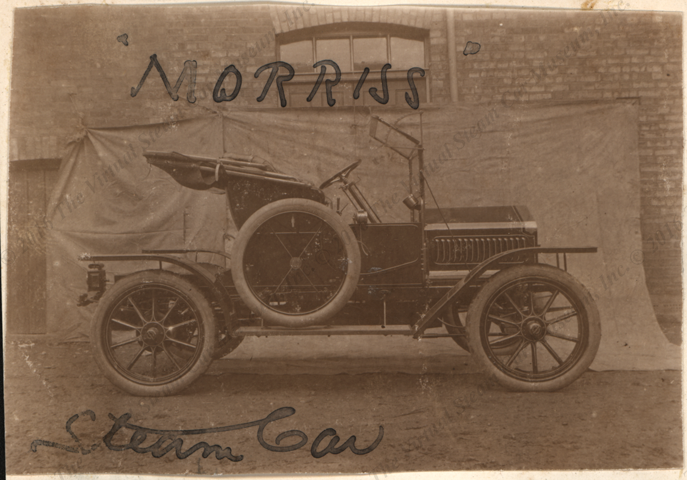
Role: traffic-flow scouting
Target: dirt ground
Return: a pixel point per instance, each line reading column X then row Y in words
column 431, row 421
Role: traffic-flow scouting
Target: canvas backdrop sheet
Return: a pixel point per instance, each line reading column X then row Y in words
column 575, row 167
column 111, row 201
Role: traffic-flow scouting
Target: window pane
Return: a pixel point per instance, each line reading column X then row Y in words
column 369, row 52
column 298, row 54
column 338, row 50
column 406, row 53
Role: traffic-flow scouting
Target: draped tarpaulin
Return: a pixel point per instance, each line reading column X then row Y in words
column 575, row 166
column 110, row 200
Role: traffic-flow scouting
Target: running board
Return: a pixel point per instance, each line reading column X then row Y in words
column 438, row 275
column 333, row 330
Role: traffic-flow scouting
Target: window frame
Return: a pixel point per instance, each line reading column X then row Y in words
column 351, row 30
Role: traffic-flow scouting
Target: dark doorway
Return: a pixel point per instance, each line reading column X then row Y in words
column 30, row 185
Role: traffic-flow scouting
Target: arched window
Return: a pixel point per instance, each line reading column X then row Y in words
column 354, row 46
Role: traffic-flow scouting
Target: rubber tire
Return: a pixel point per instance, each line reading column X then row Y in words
column 478, row 306
column 191, row 294
column 346, row 236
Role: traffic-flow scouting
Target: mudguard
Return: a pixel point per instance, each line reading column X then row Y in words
column 474, row 274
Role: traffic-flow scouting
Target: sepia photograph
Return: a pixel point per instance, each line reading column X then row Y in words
column 296, row 238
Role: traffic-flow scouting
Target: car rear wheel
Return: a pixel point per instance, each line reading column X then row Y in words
column 153, row 334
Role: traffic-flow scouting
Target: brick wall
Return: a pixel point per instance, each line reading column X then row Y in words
column 69, row 70
column 68, row 63
column 587, row 56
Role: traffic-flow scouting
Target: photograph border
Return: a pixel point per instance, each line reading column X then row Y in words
column 6, row 33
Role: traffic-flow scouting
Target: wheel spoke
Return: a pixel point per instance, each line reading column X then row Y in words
column 187, row 345
column 549, row 303
column 170, row 357
column 506, row 311
column 280, row 241
column 126, row 342
column 551, row 351
column 310, row 281
column 280, row 284
column 562, row 317
column 503, row 338
column 535, row 369
column 124, row 323
column 188, row 322
column 154, row 362
column 558, row 309
column 531, row 300
column 503, row 320
column 563, row 336
column 516, row 353
column 135, row 359
column 152, row 297
column 174, row 304
column 513, row 303
column 140, row 315
column 312, row 238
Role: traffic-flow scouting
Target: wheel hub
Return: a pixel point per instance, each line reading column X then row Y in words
column 152, row 334
column 296, row 263
column 534, row 329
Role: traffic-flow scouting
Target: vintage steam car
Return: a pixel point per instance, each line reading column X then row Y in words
column 299, row 268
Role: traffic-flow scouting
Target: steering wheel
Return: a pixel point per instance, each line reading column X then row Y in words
column 339, row 176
